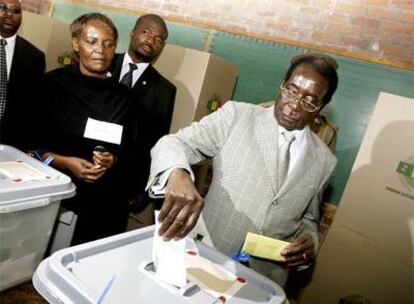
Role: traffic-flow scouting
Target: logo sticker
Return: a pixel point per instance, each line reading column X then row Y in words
column 406, row 172
column 214, row 103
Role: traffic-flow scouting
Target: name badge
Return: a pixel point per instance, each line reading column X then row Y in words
column 103, row 131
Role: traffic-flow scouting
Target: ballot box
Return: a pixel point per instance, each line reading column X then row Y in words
column 118, row 269
column 30, row 195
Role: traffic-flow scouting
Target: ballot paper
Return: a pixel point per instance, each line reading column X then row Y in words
column 169, row 258
column 19, row 171
column 264, row 247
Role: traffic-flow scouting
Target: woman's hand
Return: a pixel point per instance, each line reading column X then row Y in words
column 84, row 170
column 104, row 159
column 79, row 167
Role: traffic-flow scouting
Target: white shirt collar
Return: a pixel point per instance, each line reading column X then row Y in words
column 299, row 134
column 11, row 41
column 141, row 67
column 127, row 60
column 298, row 145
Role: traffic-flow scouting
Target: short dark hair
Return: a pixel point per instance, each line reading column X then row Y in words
column 153, row 17
column 79, row 23
column 323, row 64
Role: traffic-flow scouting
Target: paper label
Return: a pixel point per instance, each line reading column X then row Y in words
column 21, row 172
column 103, row 131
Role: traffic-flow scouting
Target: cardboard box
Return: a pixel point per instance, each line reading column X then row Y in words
column 200, row 77
column 369, row 248
column 49, row 35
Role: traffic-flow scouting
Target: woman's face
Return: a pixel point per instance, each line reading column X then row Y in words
column 96, row 48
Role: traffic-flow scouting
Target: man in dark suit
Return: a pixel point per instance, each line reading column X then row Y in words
column 154, row 94
column 21, row 71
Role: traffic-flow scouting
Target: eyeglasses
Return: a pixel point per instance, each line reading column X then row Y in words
column 307, row 103
column 15, row 10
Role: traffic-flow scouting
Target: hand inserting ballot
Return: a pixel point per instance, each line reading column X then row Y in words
column 181, row 208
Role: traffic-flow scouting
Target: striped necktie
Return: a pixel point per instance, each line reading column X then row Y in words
column 3, row 77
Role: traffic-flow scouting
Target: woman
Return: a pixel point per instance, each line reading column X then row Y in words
column 86, row 125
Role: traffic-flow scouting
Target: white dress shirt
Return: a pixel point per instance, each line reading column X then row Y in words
column 296, row 147
column 11, row 42
column 136, row 73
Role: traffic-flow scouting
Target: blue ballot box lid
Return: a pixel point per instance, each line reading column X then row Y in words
column 26, row 182
column 110, row 271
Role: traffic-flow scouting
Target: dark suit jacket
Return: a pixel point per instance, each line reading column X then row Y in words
column 28, row 66
column 155, row 96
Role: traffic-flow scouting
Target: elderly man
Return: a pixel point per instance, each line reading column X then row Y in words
column 21, row 67
column 269, row 170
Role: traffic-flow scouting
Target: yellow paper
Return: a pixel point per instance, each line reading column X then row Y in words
column 264, row 247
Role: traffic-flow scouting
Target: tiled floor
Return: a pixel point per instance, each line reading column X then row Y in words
column 21, row 294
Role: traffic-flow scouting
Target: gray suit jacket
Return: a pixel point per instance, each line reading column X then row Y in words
column 242, row 140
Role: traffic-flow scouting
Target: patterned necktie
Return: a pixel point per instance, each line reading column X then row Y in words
column 284, row 158
column 3, row 77
column 127, row 79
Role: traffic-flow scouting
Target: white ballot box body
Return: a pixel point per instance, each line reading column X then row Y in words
column 30, row 195
column 111, row 270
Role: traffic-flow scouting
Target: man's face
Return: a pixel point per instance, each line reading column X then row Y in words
column 147, row 41
column 96, row 48
column 10, row 17
column 305, row 83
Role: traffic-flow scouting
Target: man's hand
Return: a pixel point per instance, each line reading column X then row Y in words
column 301, row 251
column 182, row 206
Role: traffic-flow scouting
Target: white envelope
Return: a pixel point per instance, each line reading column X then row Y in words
column 169, row 258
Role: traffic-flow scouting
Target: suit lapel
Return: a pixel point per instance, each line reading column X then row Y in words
column 146, row 80
column 302, row 168
column 18, row 56
column 266, row 132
